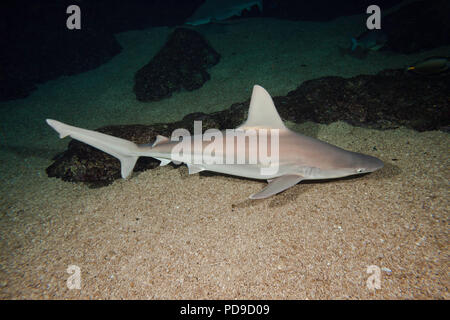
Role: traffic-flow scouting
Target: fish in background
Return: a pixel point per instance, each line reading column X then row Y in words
column 430, row 66
column 218, row 10
column 370, row 40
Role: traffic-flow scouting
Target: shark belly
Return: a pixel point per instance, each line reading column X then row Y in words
column 246, row 170
column 252, row 171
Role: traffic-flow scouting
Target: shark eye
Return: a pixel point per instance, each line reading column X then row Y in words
column 360, row 170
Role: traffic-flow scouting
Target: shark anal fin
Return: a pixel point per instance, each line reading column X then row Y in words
column 194, row 169
column 277, row 185
column 164, row 161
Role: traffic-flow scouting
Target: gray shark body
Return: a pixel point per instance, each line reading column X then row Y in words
column 218, row 10
column 299, row 157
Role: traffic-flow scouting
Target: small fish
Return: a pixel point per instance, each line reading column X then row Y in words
column 370, row 40
column 430, row 66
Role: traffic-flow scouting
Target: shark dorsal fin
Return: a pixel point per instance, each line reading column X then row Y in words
column 262, row 112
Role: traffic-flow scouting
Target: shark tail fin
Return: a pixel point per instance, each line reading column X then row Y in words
column 126, row 151
column 354, row 44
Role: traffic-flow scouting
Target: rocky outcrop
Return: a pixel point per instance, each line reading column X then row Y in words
column 181, row 63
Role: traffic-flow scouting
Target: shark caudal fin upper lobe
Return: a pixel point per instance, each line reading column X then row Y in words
column 126, row 151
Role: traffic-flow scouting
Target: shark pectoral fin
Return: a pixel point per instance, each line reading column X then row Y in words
column 277, row 185
column 194, row 169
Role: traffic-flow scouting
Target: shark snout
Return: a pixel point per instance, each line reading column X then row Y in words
column 371, row 164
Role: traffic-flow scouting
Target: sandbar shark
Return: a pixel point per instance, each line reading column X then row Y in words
column 217, row 10
column 298, row 157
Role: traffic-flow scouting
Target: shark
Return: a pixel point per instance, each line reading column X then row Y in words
column 297, row 157
column 218, row 10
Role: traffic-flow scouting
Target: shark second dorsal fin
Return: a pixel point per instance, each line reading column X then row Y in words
column 262, row 112
column 160, row 140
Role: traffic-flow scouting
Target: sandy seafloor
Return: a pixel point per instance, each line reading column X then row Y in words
column 165, row 234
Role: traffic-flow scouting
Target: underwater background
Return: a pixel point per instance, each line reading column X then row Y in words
column 142, row 68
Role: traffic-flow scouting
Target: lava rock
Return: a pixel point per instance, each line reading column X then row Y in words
column 390, row 99
column 387, row 100
column 181, row 63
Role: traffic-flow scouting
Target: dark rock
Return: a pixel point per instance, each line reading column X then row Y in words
column 182, row 62
column 37, row 46
column 387, row 100
column 418, row 26
column 12, row 88
column 119, row 16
